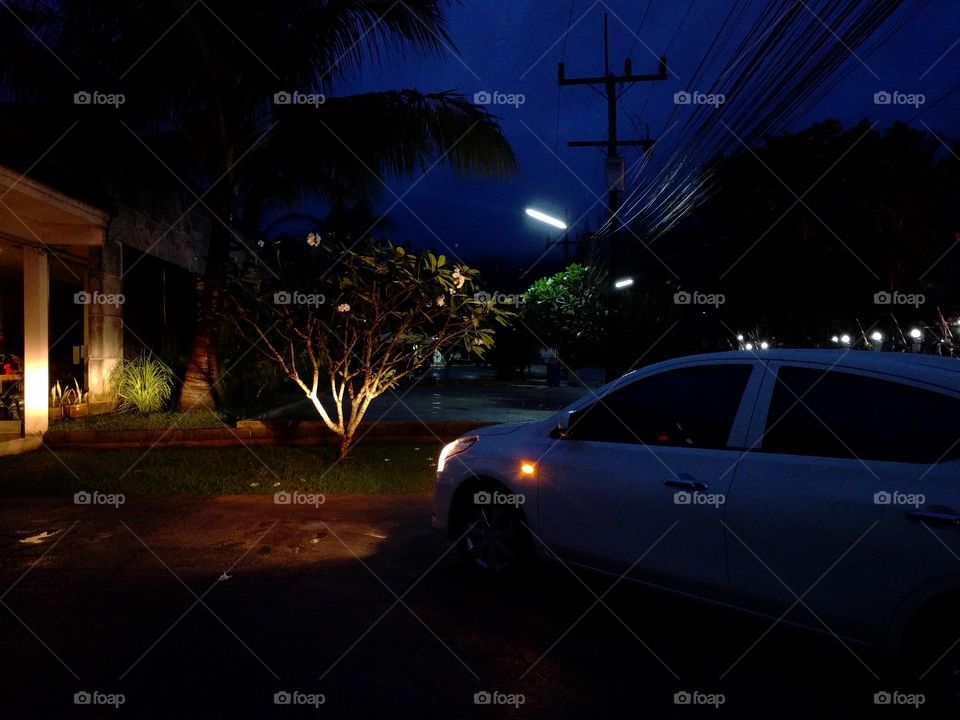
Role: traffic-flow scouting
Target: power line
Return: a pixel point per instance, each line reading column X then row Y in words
column 639, row 28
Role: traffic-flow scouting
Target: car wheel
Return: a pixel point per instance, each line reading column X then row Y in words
column 951, row 682
column 944, row 681
column 934, row 658
column 494, row 538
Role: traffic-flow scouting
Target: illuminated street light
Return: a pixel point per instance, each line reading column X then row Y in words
column 622, row 283
column 544, row 218
column 748, row 346
column 844, row 339
column 764, row 344
column 877, row 336
column 916, row 339
column 835, row 339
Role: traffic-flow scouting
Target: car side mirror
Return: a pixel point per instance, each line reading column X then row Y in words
column 564, row 423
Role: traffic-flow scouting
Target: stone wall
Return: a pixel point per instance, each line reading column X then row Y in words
column 184, row 245
column 103, row 321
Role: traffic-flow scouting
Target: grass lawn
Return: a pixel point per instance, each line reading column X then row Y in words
column 135, row 421
column 220, row 471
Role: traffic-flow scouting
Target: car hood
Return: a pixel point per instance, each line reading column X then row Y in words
column 500, row 429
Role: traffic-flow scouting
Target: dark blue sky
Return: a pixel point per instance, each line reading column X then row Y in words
column 514, row 48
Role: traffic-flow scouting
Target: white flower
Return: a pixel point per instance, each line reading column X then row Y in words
column 440, row 301
column 313, row 240
column 343, row 307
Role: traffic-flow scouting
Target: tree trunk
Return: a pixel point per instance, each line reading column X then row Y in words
column 345, row 442
column 199, row 392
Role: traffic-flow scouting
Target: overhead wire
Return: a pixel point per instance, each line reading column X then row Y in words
column 784, row 72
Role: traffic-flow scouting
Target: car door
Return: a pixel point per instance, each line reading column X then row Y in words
column 639, row 482
column 848, row 498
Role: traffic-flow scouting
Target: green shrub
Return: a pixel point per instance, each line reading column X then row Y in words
column 143, row 384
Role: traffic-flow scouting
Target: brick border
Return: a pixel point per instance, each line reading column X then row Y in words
column 259, row 432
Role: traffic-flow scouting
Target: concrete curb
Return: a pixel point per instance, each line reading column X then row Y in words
column 19, row 446
column 259, row 432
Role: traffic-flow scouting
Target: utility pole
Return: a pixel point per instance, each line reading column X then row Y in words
column 582, row 238
column 610, row 84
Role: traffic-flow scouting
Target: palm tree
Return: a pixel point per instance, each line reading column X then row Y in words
column 200, row 82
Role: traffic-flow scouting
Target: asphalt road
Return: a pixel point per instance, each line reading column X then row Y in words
column 469, row 394
column 208, row 607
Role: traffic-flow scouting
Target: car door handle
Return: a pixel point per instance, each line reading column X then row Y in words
column 691, row 485
column 945, row 518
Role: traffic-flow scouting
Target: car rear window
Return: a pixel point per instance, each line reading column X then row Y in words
column 840, row 414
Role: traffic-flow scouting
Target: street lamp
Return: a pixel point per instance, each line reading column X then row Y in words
column 623, row 283
column 916, row 337
column 544, row 218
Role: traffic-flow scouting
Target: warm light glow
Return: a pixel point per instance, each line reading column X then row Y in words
column 548, row 219
column 527, row 468
column 35, row 389
column 625, row 282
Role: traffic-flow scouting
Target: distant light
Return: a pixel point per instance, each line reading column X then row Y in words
column 548, row 219
column 740, row 338
column 845, row 339
column 916, row 333
column 625, row 282
column 764, row 345
column 877, row 336
column 527, row 468
column 835, row 339
column 748, row 346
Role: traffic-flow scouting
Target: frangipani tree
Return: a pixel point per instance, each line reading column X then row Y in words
column 347, row 322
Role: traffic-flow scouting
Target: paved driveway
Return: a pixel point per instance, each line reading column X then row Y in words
column 469, row 394
column 194, row 607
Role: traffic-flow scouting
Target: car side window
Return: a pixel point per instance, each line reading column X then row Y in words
column 687, row 407
column 839, row 414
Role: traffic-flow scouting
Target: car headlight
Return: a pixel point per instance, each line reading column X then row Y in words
column 458, row 446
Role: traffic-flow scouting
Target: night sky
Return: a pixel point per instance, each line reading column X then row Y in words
column 514, row 48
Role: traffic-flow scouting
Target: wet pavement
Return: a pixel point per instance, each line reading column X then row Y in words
column 468, row 394
column 223, row 607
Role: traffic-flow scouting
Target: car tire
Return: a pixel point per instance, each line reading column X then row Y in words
column 494, row 539
column 934, row 655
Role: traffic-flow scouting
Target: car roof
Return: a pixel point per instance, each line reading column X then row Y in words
column 845, row 357
column 933, row 369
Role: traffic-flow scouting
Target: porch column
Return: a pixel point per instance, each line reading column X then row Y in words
column 103, row 321
column 36, row 341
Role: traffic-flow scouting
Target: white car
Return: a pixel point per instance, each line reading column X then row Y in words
column 827, row 481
